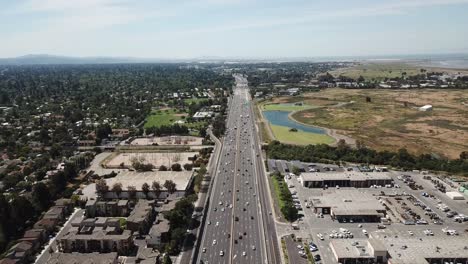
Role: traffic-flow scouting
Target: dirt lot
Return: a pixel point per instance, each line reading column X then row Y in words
column 157, row 159
column 392, row 119
column 171, row 140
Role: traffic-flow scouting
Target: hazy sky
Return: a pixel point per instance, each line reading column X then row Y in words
column 247, row 28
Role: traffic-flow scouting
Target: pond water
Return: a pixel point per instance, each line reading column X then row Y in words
column 280, row 118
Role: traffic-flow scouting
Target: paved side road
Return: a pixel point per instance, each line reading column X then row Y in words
column 52, row 245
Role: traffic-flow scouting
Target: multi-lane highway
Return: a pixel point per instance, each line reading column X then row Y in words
column 239, row 227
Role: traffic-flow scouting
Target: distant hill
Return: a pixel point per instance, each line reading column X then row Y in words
column 52, row 59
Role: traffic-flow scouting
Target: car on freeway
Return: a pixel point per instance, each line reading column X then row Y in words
column 221, row 253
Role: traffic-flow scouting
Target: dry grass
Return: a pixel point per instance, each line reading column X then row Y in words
column 392, row 120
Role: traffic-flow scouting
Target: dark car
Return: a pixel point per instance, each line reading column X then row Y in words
column 317, row 258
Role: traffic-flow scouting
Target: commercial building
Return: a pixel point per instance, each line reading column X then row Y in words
column 348, row 205
column 360, row 251
column 344, row 179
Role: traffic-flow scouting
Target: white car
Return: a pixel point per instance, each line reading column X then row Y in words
column 320, row 236
column 244, row 254
column 217, row 223
column 204, row 250
column 221, row 253
column 214, row 242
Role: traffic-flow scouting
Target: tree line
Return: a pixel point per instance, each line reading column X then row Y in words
column 401, row 159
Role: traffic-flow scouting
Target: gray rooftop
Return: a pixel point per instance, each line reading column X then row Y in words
column 348, row 202
column 140, row 212
column 77, row 258
column 337, row 176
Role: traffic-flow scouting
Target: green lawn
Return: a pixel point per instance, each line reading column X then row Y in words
column 194, row 100
column 285, row 107
column 283, row 134
column 161, row 118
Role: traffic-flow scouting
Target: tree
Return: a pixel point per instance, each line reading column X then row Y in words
column 156, row 189
column 166, row 259
column 296, row 170
column 170, row 186
column 464, row 155
column 132, row 191
column 117, row 188
column 368, row 99
column 162, row 168
column 188, row 166
column 40, row 196
column 176, row 167
column 145, row 188
column 101, row 187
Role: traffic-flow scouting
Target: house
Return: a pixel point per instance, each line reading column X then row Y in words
column 48, row 225
column 56, row 213
column 86, row 143
column 21, row 251
column 34, row 236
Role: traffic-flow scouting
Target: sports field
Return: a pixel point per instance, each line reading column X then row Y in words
column 163, row 118
column 299, row 137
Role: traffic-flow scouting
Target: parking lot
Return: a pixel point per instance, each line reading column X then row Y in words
column 321, row 229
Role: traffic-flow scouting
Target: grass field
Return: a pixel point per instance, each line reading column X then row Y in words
column 283, row 134
column 378, row 71
column 162, row 118
column 194, row 100
column 392, row 121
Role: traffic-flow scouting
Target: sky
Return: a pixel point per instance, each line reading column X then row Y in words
column 232, row 28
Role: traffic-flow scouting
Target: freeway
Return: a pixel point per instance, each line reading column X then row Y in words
column 239, row 227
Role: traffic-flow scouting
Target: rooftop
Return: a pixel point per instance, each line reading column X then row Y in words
column 354, row 176
column 140, row 212
column 76, row 258
column 351, row 248
column 348, row 202
column 416, row 251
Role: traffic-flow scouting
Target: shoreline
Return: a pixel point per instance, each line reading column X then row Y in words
column 329, row 131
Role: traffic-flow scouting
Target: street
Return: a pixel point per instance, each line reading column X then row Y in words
column 239, row 227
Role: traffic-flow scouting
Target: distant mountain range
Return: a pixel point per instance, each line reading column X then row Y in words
column 53, row 59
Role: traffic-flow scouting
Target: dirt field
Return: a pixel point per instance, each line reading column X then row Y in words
column 389, row 69
column 171, row 140
column 392, row 119
column 157, row 159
